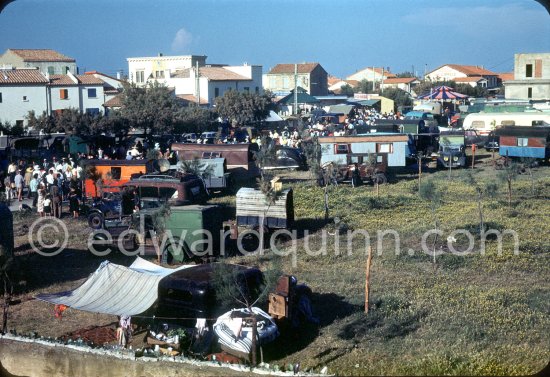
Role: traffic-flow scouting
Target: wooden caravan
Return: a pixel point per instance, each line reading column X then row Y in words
column 524, row 142
column 239, row 157
column 252, row 205
column 111, row 174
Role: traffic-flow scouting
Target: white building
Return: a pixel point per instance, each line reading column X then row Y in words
column 404, row 83
column 47, row 61
column 371, row 74
column 180, row 73
column 23, row 90
column 531, row 77
column 159, row 68
column 460, row 73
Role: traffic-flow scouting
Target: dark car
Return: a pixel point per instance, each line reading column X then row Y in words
column 492, row 143
column 191, row 293
column 106, row 207
column 288, row 158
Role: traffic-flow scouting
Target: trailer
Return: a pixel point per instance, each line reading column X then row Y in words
column 524, row 142
column 213, row 172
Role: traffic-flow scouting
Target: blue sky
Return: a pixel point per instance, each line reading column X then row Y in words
column 342, row 35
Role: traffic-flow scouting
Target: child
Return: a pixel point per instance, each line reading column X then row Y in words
column 74, row 203
column 48, row 205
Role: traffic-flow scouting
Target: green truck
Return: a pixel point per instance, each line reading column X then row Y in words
column 174, row 235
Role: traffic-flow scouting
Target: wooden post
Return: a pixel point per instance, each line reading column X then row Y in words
column 367, row 288
column 474, row 147
column 419, row 159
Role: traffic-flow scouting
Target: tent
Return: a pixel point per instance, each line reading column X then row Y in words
column 115, row 289
column 273, row 117
column 442, row 92
column 303, row 97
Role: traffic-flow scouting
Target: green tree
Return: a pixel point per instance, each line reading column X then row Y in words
column 471, row 91
column 151, row 108
column 434, row 195
column 482, row 191
column 244, row 108
column 427, row 85
column 364, row 86
column 347, row 90
column 399, row 96
column 43, row 122
column 192, row 119
column 508, row 175
column 405, row 74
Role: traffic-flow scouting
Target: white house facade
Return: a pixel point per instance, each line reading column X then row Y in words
column 47, row 61
column 159, row 68
column 24, row 90
column 371, row 74
column 454, row 72
column 531, row 77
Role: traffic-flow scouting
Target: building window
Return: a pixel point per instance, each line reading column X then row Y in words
column 19, row 123
column 51, row 70
column 216, row 92
column 529, row 70
column 341, row 149
column 523, row 141
column 25, row 99
column 92, row 93
column 64, row 93
column 0, row 97
column 286, row 82
column 92, row 111
column 272, row 81
column 65, row 70
column 384, row 147
column 529, row 92
column 116, row 172
column 140, row 76
column 159, row 74
column 257, row 89
column 246, row 89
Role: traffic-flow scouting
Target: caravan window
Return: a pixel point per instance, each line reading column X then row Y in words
column 341, row 148
column 537, row 123
column 384, row 147
column 478, row 124
column 523, row 141
column 116, row 172
column 508, row 123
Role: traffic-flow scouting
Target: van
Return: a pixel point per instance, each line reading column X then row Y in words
column 189, row 189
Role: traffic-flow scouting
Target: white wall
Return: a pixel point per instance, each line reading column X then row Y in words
column 91, row 102
column 166, row 64
column 13, row 107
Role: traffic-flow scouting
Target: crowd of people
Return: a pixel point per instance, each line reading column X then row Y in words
column 48, row 184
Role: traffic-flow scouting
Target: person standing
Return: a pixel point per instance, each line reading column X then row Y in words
column 19, row 184
column 41, row 198
column 33, row 189
column 7, row 188
column 74, row 203
column 28, row 177
column 56, row 200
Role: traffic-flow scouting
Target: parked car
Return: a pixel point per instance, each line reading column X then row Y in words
column 492, row 143
column 473, row 137
column 106, row 207
column 189, row 138
column 188, row 189
column 288, row 158
column 190, row 292
column 209, row 137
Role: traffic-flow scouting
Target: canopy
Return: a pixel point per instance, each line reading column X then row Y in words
column 363, row 102
column 303, row 97
column 273, row 117
column 115, row 289
column 442, row 92
column 341, row 109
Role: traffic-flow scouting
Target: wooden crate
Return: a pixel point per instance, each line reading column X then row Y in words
column 278, row 306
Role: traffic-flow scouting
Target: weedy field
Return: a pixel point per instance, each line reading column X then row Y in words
column 467, row 313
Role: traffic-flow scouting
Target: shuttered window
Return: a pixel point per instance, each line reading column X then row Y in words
column 538, row 68
column 64, row 93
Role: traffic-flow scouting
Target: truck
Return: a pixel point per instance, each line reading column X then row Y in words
column 452, row 149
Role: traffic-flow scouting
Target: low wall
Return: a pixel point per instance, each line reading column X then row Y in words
column 33, row 359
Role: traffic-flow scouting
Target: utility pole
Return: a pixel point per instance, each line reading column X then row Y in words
column 373, row 79
column 197, row 83
column 296, row 89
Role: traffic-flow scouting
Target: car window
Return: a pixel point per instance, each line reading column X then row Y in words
column 168, row 192
column 148, row 192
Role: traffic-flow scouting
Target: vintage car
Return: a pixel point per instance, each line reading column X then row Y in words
column 190, row 292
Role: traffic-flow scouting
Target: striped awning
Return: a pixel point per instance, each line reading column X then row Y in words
column 115, row 289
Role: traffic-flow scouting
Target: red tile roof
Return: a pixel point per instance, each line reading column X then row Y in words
column 400, row 80
column 289, row 68
column 89, row 80
column 469, row 79
column 506, row 76
column 221, row 74
column 22, row 76
column 331, row 80
column 41, row 55
column 470, row 70
column 61, row 80
column 65, row 80
column 114, row 102
column 191, row 98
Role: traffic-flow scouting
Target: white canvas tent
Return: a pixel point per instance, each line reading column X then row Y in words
column 115, row 289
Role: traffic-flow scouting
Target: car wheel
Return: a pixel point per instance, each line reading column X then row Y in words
column 95, row 220
column 380, row 178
